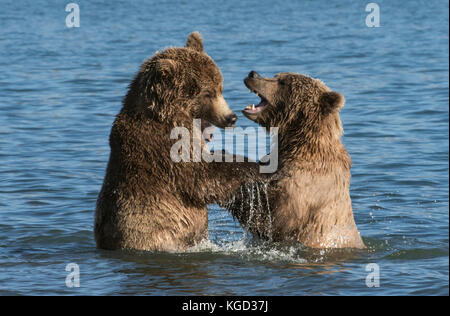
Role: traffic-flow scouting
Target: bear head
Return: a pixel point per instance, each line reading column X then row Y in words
column 181, row 80
column 303, row 108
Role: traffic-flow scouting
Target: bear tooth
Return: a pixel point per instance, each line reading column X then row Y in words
column 253, row 106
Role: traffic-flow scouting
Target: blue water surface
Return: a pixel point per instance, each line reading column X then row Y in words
column 60, row 89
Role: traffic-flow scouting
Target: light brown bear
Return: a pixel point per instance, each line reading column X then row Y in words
column 309, row 201
column 148, row 201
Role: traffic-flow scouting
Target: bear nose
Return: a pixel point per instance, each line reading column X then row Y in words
column 231, row 119
column 253, row 74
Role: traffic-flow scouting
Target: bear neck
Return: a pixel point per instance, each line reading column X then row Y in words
column 318, row 146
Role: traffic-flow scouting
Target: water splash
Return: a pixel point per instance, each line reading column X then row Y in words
column 250, row 188
column 248, row 249
column 270, row 230
column 251, row 207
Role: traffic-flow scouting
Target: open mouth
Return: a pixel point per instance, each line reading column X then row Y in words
column 252, row 111
column 208, row 135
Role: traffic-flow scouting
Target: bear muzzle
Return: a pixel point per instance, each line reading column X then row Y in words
column 256, row 84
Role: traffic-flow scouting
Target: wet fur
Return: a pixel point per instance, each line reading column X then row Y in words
column 308, row 199
column 147, row 201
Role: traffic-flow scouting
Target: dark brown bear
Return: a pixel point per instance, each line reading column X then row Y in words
column 310, row 201
column 148, row 201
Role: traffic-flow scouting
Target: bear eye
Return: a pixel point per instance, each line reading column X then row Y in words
column 281, row 82
column 209, row 94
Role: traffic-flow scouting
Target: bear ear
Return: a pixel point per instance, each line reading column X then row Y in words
column 332, row 101
column 195, row 41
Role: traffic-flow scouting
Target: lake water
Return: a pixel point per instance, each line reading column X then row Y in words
column 60, row 89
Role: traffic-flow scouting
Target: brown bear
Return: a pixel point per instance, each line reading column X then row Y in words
column 148, row 201
column 308, row 200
